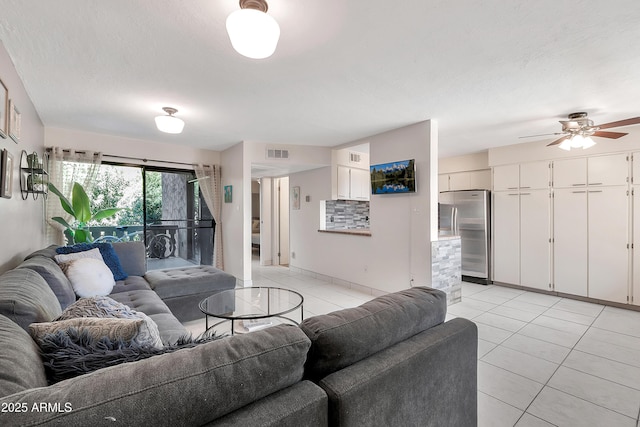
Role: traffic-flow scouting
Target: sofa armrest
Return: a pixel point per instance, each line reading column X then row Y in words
column 188, row 387
column 429, row 379
column 302, row 404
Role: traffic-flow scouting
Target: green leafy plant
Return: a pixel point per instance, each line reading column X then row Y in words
column 80, row 209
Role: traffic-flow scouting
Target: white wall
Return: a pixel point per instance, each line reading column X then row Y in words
column 236, row 216
column 22, row 220
column 130, row 147
column 399, row 247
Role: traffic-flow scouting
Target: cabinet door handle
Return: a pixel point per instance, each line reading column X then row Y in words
column 513, row 194
column 578, row 192
column 595, row 191
column 595, row 183
column 577, row 185
column 525, row 187
column 525, row 194
column 512, row 188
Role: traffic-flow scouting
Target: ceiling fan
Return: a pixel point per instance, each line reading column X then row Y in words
column 578, row 130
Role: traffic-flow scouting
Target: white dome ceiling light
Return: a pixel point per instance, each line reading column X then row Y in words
column 252, row 32
column 169, row 123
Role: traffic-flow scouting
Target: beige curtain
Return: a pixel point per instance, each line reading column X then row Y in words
column 65, row 168
column 209, row 181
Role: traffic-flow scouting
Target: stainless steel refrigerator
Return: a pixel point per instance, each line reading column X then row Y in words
column 467, row 214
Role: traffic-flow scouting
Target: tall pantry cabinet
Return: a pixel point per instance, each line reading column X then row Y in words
column 521, row 209
column 590, row 224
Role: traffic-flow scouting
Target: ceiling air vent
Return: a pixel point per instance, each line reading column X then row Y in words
column 276, row 153
column 354, row 157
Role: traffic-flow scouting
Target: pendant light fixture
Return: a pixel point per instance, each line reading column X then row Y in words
column 169, row 123
column 252, row 32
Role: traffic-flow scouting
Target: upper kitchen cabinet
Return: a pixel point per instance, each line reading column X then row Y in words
column 534, row 175
column 608, row 170
column 467, row 180
column 506, row 177
column 353, row 183
column 570, row 173
column 612, row 169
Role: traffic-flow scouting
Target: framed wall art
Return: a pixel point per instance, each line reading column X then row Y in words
column 4, row 109
column 15, row 121
column 295, row 198
column 228, row 194
column 6, row 177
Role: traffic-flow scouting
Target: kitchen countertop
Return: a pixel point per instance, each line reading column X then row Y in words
column 352, row 231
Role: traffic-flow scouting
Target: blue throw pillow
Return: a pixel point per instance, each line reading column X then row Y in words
column 106, row 250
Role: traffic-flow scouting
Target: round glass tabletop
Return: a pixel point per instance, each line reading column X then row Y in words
column 251, row 303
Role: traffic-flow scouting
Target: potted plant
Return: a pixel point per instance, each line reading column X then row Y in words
column 80, row 209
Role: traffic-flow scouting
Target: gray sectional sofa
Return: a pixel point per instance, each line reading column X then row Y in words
column 390, row 362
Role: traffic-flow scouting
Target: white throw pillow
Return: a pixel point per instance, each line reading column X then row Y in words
column 93, row 253
column 89, row 277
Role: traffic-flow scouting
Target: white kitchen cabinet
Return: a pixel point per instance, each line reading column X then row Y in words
column 570, row 173
column 360, row 187
column 506, row 237
column 570, row 241
column 344, row 182
column 635, row 168
column 535, row 246
column 611, row 169
column 506, row 177
column 636, row 242
column 534, row 175
column 353, row 184
column 608, row 239
column 459, row 181
column 443, row 182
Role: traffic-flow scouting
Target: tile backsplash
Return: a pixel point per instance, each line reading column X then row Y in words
column 346, row 214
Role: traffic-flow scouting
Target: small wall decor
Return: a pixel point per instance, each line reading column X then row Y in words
column 4, row 108
column 6, row 179
column 15, row 119
column 295, row 198
column 228, row 196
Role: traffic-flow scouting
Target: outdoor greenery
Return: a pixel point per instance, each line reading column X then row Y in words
column 79, row 207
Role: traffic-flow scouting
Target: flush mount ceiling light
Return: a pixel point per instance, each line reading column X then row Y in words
column 169, row 123
column 252, row 32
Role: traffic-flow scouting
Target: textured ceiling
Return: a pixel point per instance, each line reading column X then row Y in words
column 488, row 71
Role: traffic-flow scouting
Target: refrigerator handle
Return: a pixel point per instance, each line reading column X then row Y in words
column 454, row 221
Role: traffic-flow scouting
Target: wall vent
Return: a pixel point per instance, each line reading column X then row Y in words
column 354, row 157
column 275, row 153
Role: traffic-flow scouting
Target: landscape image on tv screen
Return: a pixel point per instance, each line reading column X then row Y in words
column 394, row 177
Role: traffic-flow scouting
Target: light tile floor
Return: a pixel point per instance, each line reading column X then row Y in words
column 542, row 360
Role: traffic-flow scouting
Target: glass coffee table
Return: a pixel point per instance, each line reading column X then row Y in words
column 253, row 308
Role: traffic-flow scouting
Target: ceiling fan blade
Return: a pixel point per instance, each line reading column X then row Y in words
column 558, row 141
column 543, row 134
column 627, row 122
column 612, row 135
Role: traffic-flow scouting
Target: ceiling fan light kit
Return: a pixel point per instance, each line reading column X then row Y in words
column 252, row 32
column 578, row 130
column 169, row 123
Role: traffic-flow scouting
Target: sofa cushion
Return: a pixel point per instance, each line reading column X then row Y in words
column 344, row 337
column 53, row 275
column 26, row 298
column 133, row 257
column 211, row 380
column 108, row 255
column 20, row 360
column 131, row 283
column 106, row 307
column 48, row 252
column 178, row 282
column 150, row 304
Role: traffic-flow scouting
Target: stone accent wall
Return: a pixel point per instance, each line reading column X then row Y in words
column 346, row 214
column 446, row 267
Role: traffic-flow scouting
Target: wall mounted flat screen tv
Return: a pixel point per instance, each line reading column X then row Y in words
column 394, row 177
